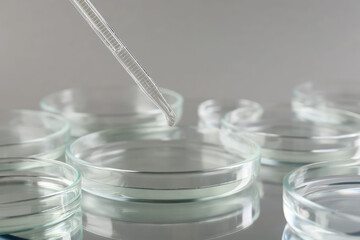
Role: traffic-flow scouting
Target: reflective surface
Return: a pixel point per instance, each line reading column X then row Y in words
column 269, row 225
column 177, row 220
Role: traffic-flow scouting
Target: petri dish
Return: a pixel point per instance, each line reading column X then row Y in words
column 289, row 234
column 341, row 95
column 40, row 199
column 291, row 138
column 98, row 108
column 27, row 133
column 321, row 201
column 210, row 112
column 204, row 219
column 163, row 164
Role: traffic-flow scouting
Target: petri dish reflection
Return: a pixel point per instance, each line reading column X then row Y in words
column 202, row 219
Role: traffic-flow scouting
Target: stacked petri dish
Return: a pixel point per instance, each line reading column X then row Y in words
column 26, row 133
column 321, row 201
column 292, row 137
column 168, row 182
column 98, row 108
column 40, row 199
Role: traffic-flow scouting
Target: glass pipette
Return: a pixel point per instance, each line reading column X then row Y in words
column 122, row 54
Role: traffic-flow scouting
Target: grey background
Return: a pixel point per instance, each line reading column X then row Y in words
column 256, row 49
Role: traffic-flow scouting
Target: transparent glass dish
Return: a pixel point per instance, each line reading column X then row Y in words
column 342, row 95
column 39, row 199
column 203, row 219
column 292, row 138
column 210, row 112
column 289, row 234
column 162, row 163
column 99, row 108
column 321, row 201
column 26, row 133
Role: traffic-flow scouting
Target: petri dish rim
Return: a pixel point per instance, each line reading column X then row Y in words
column 312, row 205
column 298, row 90
column 53, row 162
column 68, row 152
column 202, row 107
column 62, row 131
column 230, row 126
column 177, row 104
column 310, row 89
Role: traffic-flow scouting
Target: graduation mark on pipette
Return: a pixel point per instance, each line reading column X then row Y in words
column 126, row 59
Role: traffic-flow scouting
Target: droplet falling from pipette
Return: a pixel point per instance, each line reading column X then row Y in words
column 121, row 53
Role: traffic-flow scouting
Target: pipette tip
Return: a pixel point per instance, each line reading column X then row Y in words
column 171, row 119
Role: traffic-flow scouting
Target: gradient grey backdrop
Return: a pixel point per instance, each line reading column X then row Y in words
column 256, row 49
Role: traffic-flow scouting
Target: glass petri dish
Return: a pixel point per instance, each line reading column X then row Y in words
column 289, row 234
column 291, row 138
column 163, row 164
column 341, row 95
column 26, row 133
column 99, row 108
column 39, row 199
column 210, row 112
column 204, row 219
column 321, row 201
